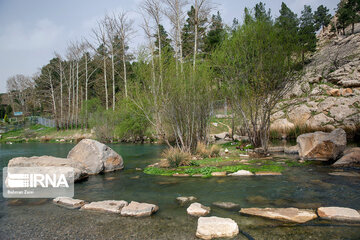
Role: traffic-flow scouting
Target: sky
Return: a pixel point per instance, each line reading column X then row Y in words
column 32, row 30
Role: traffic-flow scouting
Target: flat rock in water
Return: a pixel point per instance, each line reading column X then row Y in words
column 339, row 214
column 227, row 205
column 345, row 174
column 69, row 202
column 218, row 174
column 136, row 209
column 284, row 214
column 184, row 200
column 291, row 150
column 180, row 175
column 112, row 206
column 268, row 174
column 241, row 173
column 351, row 158
column 197, row 210
column 216, row 227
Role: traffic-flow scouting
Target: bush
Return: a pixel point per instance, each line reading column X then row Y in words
column 176, row 157
column 202, row 150
column 215, row 151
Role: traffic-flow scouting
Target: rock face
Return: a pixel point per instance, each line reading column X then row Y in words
column 227, row 205
column 351, row 158
column 241, row 173
column 283, row 214
column 96, row 157
column 184, row 200
column 69, row 202
column 322, row 146
column 136, row 209
column 333, row 100
column 197, row 210
column 105, row 206
column 216, row 227
column 48, row 161
column 339, row 213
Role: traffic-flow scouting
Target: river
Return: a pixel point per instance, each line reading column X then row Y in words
column 302, row 187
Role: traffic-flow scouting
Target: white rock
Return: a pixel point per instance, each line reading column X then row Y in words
column 197, row 209
column 241, row 173
column 216, row 227
column 69, row 202
column 339, row 213
column 136, row 209
column 112, row 206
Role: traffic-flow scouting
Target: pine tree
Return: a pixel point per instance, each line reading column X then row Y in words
column 288, row 26
column 307, row 32
column 216, row 33
column 261, row 13
column 189, row 33
column 165, row 40
column 322, row 17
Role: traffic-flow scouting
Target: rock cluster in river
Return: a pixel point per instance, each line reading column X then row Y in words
column 86, row 158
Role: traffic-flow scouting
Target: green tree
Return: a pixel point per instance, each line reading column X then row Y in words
column 188, row 33
column 165, row 41
column 307, row 32
column 6, row 118
column 216, row 33
column 2, row 111
column 257, row 74
column 261, row 13
column 288, row 25
column 8, row 110
column 348, row 13
column 322, row 17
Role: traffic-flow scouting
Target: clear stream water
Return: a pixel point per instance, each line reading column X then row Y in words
column 302, row 187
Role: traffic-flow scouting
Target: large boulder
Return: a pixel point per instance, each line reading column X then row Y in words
column 281, row 125
column 216, row 227
column 136, row 209
column 322, row 146
column 283, row 214
column 339, row 214
column 96, row 157
column 351, row 157
column 197, row 210
column 49, row 161
column 112, row 206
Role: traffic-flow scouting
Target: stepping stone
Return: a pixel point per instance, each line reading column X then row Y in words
column 69, row 202
column 197, row 175
column 216, row 227
column 197, row 210
column 136, row 209
column 184, row 200
column 241, row 173
column 268, row 174
column 339, row 214
column 112, row 206
column 283, row 214
column 180, row 175
column 345, row 174
column 218, row 174
column 227, row 205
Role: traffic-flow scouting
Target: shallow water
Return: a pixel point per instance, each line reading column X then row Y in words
column 302, row 187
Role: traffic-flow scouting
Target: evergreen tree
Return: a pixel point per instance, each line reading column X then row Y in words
column 261, row 13
column 189, row 33
column 165, row 40
column 216, row 33
column 288, row 26
column 307, row 32
column 348, row 13
column 322, row 17
column 8, row 110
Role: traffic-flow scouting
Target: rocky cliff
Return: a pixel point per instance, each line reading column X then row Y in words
column 328, row 95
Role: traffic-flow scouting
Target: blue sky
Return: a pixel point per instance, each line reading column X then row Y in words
column 31, row 30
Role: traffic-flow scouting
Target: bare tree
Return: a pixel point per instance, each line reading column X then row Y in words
column 176, row 15
column 17, row 87
column 61, row 76
column 99, row 35
column 124, row 29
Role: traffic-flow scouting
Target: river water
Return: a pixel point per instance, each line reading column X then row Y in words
column 302, row 187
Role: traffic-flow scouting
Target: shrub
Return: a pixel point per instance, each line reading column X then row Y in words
column 215, row 151
column 176, row 157
column 202, row 151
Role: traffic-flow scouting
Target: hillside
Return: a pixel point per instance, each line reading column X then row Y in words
column 328, row 95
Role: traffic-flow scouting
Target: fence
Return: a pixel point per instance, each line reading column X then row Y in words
column 43, row 121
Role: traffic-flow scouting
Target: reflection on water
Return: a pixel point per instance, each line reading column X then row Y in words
column 302, row 187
